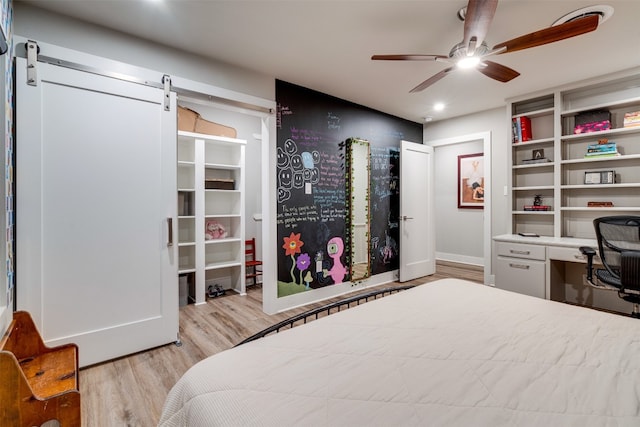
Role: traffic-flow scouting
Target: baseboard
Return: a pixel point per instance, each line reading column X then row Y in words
column 462, row 259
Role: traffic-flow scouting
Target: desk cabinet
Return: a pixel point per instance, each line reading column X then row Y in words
column 550, row 268
column 521, row 268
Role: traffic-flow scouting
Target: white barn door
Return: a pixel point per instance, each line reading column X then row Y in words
column 95, row 188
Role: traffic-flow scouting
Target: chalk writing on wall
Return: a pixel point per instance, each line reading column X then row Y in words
column 311, row 130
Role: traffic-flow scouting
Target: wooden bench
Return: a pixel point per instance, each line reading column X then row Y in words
column 37, row 383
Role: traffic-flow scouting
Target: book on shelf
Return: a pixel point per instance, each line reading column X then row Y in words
column 631, row 119
column 602, row 154
column 536, row 207
column 533, row 161
column 522, row 129
column 602, row 148
column 600, row 204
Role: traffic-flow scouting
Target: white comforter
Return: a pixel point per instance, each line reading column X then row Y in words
column 449, row 353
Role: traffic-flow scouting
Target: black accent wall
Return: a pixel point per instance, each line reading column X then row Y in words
column 312, row 128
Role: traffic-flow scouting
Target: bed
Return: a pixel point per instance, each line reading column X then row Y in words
column 447, row 353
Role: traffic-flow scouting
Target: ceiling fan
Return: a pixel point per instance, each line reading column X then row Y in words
column 473, row 49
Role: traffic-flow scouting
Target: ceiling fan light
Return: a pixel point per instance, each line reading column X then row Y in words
column 468, row 62
column 461, row 50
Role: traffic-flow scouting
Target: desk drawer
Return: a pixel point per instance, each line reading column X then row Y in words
column 570, row 254
column 521, row 275
column 519, row 250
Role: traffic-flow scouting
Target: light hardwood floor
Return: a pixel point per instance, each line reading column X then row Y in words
column 130, row 391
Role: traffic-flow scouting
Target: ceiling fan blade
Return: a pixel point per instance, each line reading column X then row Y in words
column 497, row 71
column 431, row 80
column 477, row 21
column 408, row 57
column 551, row 34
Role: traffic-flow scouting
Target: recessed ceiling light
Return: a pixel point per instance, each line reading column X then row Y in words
column 603, row 11
column 428, row 119
column 438, row 106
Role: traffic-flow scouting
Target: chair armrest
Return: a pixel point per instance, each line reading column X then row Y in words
column 589, row 253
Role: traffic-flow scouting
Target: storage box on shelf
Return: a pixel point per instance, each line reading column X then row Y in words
column 192, row 121
column 211, row 236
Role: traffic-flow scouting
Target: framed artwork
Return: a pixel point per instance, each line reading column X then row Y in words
column 471, row 181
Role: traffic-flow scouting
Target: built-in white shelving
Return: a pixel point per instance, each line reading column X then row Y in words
column 561, row 181
column 219, row 257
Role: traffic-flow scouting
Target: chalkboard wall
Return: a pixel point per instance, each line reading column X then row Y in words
column 312, row 128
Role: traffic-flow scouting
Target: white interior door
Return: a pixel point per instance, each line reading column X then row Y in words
column 96, row 184
column 417, row 233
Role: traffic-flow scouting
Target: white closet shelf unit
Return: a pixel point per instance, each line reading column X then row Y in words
column 218, row 260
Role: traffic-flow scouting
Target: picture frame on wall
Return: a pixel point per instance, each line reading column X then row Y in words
column 471, row 181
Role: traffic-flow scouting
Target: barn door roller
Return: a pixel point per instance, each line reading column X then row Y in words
column 32, row 61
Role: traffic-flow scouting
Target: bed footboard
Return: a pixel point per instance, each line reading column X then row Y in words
column 315, row 312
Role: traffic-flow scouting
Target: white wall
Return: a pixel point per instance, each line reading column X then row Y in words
column 459, row 232
column 40, row 25
column 493, row 121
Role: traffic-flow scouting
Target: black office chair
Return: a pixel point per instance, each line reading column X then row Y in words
column 619, row 248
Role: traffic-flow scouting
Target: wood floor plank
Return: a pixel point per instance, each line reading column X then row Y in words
column 130, row 391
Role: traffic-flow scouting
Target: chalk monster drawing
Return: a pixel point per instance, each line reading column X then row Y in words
column 335, row 247
column 295, row 169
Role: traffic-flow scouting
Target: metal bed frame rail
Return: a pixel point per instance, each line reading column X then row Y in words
column 325, row 308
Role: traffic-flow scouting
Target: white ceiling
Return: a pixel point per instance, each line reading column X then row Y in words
column 326, row 45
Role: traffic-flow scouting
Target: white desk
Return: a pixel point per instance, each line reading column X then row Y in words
column 550, row 268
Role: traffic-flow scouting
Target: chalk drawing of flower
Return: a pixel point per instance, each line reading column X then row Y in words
column 303, row 262
column 292, row 245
